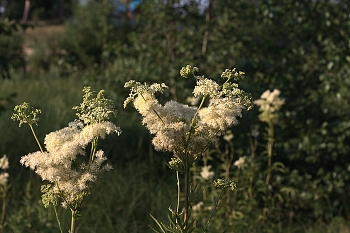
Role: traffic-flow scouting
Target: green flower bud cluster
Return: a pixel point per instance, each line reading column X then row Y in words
column 94, row 109
column 232, row 74
column 25, row 114
column 176, row 164
column 225, row 183
column 185, row 71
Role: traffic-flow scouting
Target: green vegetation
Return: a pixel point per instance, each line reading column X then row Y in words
column 295, row 172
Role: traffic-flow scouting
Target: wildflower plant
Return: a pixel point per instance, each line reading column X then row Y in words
column 188, row 131
column 269, row 106
column 69, row 179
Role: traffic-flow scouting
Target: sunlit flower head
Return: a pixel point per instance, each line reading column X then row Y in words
column 57, row 164
column 187, row 131
column 269, row 105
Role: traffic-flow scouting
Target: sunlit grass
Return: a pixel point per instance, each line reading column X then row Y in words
column 41, row 33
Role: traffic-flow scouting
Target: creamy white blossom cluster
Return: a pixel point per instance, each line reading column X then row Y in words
column 187, row 131
column 269, row 105
column 4, row 165
column 240, row 162
column 206, row 173
column 58, row 164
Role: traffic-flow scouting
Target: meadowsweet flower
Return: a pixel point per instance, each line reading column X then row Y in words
column 240, row 162
column 56, row 165
column 221, row 113
column 206, row 173
column 255, row 131
column 206, row 87
column 228, row 136
column 198, row 206
column 269, row 104
column 4, row 165
column 187, row 131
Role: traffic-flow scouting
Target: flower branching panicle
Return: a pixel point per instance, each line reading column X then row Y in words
column 26, row 114
column 184, row 130
column 94, row 109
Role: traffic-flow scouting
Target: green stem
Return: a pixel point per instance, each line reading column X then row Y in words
column 72, row 225
column 269, row 152
column 253, row 146
column 93, row 150
column 37, row 141
column 154, row 111
column 213, row 211
column 58, row 220
column 194, row 119
column 178, row 192
column 187, row 190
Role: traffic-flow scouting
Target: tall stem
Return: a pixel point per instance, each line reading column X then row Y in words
column 213, row 211
column 58, row 220
column 178, row 192
column 269, row 151
column 72, row 225
column 37, row 141
column 187, row 190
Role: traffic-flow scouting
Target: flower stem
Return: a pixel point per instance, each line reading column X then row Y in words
column 187, row 190
column 58, row 220
column 37, row 141
column 72, row 225
column 178, row 192
column 93, row 150
column 213, row 211
column 269, row 152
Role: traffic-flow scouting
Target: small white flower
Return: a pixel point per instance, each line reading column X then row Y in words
column 269, row 104
column 206, row 173
column 197, row 206
column 206, row 87
column 240, row 162
column 4, row 163
column 228, row 136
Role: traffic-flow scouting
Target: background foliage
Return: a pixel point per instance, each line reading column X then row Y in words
column 300, row 47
